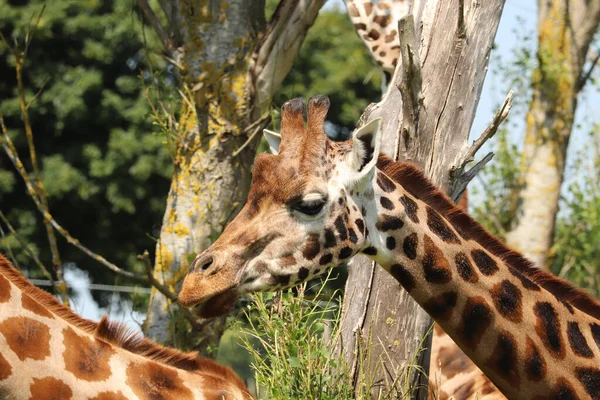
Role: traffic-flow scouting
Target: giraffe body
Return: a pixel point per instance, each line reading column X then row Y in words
column 317, row 203
column 47, row 352
column 376, row 23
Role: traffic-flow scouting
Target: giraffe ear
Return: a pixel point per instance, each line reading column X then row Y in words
column 366, row 141
column 274, row 140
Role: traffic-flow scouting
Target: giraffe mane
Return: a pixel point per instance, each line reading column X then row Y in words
column 118, row 334
column 415, row 182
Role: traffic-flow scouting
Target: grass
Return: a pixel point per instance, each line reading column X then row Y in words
column 293, row 338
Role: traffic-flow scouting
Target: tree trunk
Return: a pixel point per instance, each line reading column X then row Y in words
column 233, row 62
column 565, row 31
column 383, row 329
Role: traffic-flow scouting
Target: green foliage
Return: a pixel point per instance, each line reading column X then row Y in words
column 293, row 359
column 293, row 338
column 575, row 254
column 105, row 170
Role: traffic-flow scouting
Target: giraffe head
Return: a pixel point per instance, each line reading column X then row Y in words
column 303, row 215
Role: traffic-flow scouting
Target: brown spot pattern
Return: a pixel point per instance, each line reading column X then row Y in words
column 326, row 259
column 312, row 247
column 373, row 35
column 4, row 289
column 329, row 238
column 435, row 266
column 439, row 227
column 386, row 203
column 30, row 304
column 476, row 319
column 110, row 396
column 50, row 389
column 402, row 275
column 562, row 391
column 548, row 329
column 484, row 262
column 390, row 242
column 26, row 337
column 383, row 20
column 441, row 306
column 287, row 261
column 535, row 365
column 411, row 208
column 5, row 368
column 391, row 36
column 150, row 380
column 504, row 359
column 526, row 282
column 508, row 300
column 577, row 341
column 410, row 245
column 590, row 378
column 465, row 268
column 389, row 223
column 86, row 358
column 595, row 328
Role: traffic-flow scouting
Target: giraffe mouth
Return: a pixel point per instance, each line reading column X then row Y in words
column 218, row 305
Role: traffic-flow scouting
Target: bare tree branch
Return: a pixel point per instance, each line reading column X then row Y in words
column 145, row 258
column 460, row 184
column 490, row 131
column 154, row 22
column 10, row 151
column 275, row 54
column 27, row 248
column 42, row 195
column 583, row 79
column 460, row 177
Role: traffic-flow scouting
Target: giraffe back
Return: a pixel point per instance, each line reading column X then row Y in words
column 49, row 352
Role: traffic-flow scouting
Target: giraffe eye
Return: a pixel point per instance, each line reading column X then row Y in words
column 310, row 207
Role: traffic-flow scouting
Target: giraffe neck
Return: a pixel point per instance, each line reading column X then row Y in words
column 531, row 342
column 46, row 352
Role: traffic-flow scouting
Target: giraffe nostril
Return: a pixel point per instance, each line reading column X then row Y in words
column 206, row 264
column 201, row 264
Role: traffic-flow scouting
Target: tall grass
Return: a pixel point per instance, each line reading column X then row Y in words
column 293, row 338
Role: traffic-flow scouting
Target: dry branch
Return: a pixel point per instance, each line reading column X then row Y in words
column 460, row 177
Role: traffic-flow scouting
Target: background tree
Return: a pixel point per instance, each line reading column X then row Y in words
column 231, row 62
column 565, row 31
column 96, row 152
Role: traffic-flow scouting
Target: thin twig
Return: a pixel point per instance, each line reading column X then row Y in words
column 145, row 258
column 10, row 252
column 164, row 290
column 26, row 247
column 460, row 184
column 152, row 19
column 500, row 116
column 39, row 186
column 585, row 77
column 8, row 147
column 258, row 126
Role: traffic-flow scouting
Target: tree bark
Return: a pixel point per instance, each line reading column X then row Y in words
column 232, row 61
column 437, row 85
column 565, row 31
